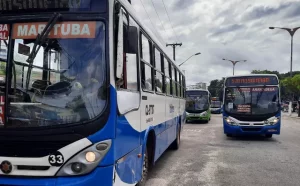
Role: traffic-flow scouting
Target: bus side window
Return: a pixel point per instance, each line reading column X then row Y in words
column 146, row 66
column 167, row 76
column 158, row 71
column 174, row 86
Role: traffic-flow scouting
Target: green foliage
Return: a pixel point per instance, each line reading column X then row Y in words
column 265, row 72
column 215, row 87
column 289, row 85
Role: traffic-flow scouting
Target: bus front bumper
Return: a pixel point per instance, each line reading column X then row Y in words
column 216, row 111
column 251, row 130
column 197, row 118
column 100, row 176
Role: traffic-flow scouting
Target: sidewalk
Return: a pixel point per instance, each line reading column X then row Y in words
column 294, row 115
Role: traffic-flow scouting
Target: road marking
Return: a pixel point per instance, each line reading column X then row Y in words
column 192, row 130
column 156, row 182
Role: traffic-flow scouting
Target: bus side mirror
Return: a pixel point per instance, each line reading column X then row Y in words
column 132, row 40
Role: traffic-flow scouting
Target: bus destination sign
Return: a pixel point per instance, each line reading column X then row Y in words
column 17, row 5
column 251, row 81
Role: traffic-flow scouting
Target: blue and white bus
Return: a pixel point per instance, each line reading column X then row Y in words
column 89, row 95
column 251, row 105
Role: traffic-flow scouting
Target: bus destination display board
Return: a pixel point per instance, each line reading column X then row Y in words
column 19, row 5
column 251, row 81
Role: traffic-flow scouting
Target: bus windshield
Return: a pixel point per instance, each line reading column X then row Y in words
column 215, row 104
column 252, row 100
column 65, row 82
column 197, row 101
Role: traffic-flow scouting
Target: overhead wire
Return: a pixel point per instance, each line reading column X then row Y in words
column 153, row 25
column 159, row 17
column 170, row 20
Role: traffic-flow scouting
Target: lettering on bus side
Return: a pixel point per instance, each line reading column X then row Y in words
column 172, row 108
column 149, row 110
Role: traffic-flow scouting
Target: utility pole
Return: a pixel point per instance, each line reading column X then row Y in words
column 291, row 31
column 234, row 63
column 174, row 45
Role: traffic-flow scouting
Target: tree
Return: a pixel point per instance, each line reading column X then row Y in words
column 215, row 87
column 291, row 86
column 266, row 72
column 296, row 82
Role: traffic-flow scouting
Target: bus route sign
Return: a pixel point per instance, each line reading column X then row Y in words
column 251, row 81
column 4, row 31
column 17, row 5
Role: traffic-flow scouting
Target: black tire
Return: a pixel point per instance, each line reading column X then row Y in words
column 269, row 135
column 145, row 170
column 229, row 135
column 176, row 143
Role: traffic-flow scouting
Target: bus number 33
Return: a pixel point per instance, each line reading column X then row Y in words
column 56, row 159
column 149, row 110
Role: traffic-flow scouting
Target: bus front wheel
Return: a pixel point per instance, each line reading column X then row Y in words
column 269, row 135
column 145, row 170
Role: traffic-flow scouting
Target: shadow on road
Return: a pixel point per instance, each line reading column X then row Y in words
column 251, row 138
column 197, row 122
column 160, row 163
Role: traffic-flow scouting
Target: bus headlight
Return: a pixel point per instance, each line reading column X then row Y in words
column 272, row 121
column 85, row 161
column 230, row 121
column 90, row 156
column 203, row 113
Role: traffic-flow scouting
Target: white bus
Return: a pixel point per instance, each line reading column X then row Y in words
column 94, row 99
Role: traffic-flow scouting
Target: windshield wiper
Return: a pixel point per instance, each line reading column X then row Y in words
column 242, row 93
column 260, row 94
column 40, row 39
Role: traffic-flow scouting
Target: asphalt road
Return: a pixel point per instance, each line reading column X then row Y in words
column 207, row 157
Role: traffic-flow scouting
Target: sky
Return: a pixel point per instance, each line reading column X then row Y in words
column 231, row 29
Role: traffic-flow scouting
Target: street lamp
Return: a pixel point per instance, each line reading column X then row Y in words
column 189, row 58
column 291, row 32
column 234, row 63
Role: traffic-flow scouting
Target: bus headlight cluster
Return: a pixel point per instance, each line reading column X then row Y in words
column 230, row 121
column 203, row 113
column 86, row 160
column 272, row 121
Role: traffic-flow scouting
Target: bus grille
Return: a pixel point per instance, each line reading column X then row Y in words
column 30, row 148
column 251, row 129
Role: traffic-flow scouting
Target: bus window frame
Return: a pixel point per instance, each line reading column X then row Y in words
column 156, row 70
column 102, row 117
column 143, row 62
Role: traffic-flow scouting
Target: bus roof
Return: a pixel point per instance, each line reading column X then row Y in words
column 137, row 18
